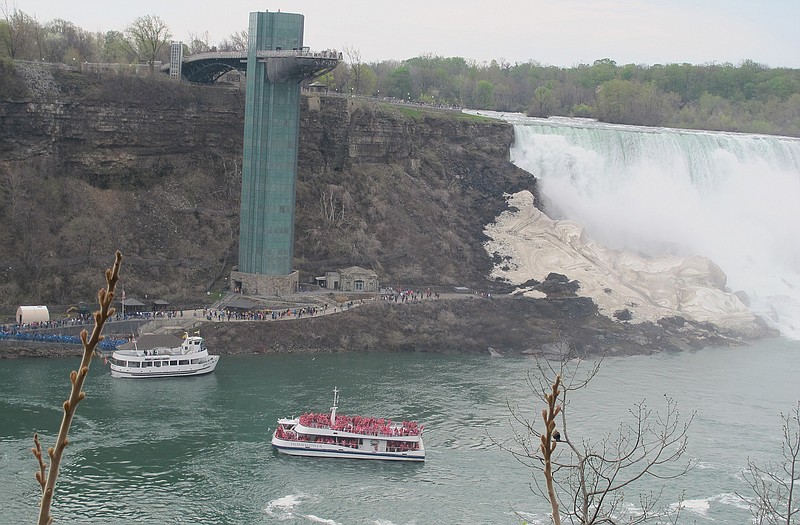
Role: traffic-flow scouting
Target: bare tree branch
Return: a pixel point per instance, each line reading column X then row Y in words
column 774, row 500
column 105, row 297
column 586, row 481
column 148, row 35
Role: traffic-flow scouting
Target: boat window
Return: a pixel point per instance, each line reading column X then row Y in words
column 147, row 364
column 183, row 362
column 135, row 364
column 173, row 363
column 156, row 363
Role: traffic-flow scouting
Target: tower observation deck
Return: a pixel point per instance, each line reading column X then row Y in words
column 276, row 64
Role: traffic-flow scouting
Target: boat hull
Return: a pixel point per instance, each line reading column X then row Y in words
column 165, row 371
column 321, row 450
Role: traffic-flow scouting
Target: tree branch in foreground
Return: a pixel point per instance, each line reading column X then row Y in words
column 48, row 483
column 587, row 480
column 774, row 484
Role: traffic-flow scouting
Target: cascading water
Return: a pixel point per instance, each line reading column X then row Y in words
column 731, row 197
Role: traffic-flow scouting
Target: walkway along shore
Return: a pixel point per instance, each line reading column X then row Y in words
column 60, row 337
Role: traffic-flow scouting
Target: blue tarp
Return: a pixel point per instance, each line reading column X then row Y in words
column 105, row 344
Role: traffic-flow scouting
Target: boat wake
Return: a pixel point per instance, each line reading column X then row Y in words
column 284, row 508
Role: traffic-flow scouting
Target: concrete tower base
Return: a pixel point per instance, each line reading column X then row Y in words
column 266, row 285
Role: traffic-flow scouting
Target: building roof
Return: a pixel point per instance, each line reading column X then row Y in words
column 356, row 269
column 150, row 341
column 132, row 302
column 241, row 303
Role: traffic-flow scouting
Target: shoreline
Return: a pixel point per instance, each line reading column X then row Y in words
column 13, row 349
column 504, row 326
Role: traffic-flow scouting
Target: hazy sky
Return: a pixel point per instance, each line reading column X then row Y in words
column 557, row 32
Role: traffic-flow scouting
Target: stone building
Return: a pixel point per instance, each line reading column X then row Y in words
column 352, row 279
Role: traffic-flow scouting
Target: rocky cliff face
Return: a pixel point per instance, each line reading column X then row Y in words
column 91, row 164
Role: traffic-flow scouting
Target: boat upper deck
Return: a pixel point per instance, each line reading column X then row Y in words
column 359, row 425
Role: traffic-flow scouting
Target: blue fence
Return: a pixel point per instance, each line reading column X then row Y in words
column 105, row 344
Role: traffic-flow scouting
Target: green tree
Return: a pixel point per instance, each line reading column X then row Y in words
column 543, row 99
column 18, row 34
column 598, row 73
column 631, row 102
column 148, row 35
column 399, row 83
column 116, row 49
column 484, row 94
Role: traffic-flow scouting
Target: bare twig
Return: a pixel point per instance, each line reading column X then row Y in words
column 104, row 297
column 549, row 441
column 774, row 483
column 586, row 480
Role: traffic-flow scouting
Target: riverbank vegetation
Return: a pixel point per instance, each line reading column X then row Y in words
column 744, row 97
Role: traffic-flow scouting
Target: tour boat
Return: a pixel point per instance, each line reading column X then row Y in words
column 189, row 359
column 337, row 436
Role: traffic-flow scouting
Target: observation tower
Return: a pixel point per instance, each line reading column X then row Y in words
column 277, row 62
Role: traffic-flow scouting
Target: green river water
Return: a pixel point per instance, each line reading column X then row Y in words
column 196, row 450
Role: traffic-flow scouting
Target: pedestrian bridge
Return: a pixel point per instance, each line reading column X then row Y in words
column 206, row 68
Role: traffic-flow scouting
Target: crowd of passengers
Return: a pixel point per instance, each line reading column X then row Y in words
column 391, row 446
column 361, row 425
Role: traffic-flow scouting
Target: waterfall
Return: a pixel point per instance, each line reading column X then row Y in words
column 731, row 197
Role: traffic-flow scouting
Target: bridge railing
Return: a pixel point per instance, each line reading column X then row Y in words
column 302, row 52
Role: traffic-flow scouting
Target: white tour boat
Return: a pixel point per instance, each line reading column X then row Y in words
column 189, row 359
column 337, row 436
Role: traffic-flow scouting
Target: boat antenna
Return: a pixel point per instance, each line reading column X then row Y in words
column 333, row 408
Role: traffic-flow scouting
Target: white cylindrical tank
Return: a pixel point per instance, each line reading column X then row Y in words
column 32, row 314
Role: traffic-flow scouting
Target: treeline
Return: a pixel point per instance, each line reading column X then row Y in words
column 747, row 97
column 145, row 40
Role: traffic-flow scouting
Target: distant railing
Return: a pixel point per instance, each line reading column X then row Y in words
column 228, row 55
column 97, row 67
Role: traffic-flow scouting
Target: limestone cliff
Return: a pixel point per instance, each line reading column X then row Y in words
column 404, row 191
column 91, row 164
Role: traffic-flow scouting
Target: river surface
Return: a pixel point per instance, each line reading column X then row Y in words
column 196, row 450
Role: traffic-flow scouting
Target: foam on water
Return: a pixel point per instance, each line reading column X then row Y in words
column 317, row 519
column 698, row 506
column 283, row 508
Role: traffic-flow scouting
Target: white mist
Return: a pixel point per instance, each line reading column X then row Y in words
column 734, row 198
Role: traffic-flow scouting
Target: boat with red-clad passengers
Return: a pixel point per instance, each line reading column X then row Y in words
column 332, row 435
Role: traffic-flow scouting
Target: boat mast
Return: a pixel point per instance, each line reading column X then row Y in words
column 333, row 408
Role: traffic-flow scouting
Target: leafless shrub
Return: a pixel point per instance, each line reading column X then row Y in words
column 773, row 485
column 586, row 481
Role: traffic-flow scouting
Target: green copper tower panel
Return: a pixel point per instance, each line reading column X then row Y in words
column 271, row 131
